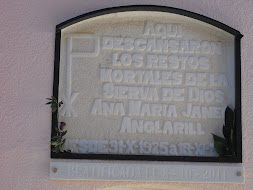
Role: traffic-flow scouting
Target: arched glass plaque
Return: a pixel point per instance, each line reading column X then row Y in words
column 148, row 83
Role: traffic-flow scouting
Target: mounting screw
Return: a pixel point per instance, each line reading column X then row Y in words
column 239, row 174
column 55, row 170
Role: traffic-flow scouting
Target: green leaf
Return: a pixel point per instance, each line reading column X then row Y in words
column 232, row 137
column 217, row 138
column 55, row 143
column 53, row 98
column 49, row 103
column 64, row 140
column 230, row 155
column 55, row 138
column 63, row 133
column 54, row 109
column 227, row 133
column 229, row 124
column 48, row 98
column 229, row 117
column 56, row 150
column 228, row 152
column 220, row 148
column 57, row 130
column 61, row 149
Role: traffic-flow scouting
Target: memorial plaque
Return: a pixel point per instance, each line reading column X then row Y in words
column 147, row 83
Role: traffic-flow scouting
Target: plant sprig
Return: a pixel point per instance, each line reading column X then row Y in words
column 54, row 103
column 58, row 141
column 226, row 146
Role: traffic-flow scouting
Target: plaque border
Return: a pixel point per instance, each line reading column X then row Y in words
column 238, row 119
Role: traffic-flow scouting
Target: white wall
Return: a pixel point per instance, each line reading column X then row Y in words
column 27, row 32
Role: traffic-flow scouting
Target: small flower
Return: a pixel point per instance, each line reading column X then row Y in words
column 63, row 124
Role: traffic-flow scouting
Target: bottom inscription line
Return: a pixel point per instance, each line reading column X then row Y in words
column 123, row 171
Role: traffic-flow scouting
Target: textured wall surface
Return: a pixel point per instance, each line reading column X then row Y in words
column 26, row 78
